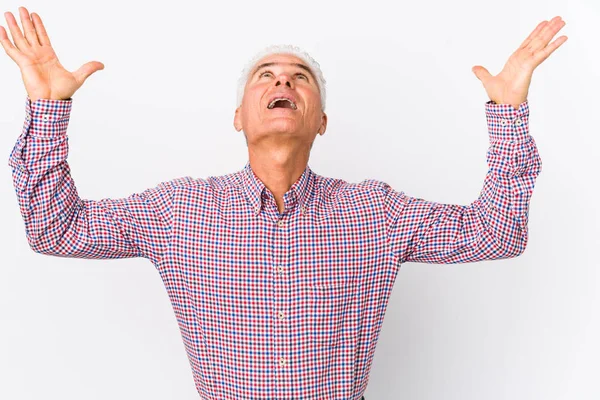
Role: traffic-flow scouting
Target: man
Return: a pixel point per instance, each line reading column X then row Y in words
column 279, row 277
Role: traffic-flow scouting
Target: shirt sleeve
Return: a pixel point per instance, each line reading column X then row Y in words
column 57, row 221
column 492, row 227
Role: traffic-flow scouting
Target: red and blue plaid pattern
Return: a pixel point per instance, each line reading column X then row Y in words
column 270, row 305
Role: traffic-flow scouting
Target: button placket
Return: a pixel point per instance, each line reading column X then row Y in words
column 281, row 300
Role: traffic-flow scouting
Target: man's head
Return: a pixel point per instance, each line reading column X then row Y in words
column 280, row 72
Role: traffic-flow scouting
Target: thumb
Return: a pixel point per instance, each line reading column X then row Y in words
column 481, row 73
column 86, row 70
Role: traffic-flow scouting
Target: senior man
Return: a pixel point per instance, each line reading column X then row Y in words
column 279, row 277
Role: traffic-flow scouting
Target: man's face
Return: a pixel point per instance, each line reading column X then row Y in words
column 281, row 121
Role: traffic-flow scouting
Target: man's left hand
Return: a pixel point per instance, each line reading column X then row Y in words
column 511, row 85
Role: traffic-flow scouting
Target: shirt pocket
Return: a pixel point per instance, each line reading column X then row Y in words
column 328, row 308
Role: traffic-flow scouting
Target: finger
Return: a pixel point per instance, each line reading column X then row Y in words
column 28, row 28
column 533, row 34
column 9, row 48
column 41, row 30
column 481, row 73
column 15, row 31
column 545, row 53
column 5, row 40
column 546, row 34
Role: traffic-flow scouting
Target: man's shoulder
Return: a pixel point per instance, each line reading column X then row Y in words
column 219, row 182
column 182, row 182
column 339, row 186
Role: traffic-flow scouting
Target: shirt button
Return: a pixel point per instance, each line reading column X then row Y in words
column 280, row 223
column 280, row 269
column 303, row 210
column 281, row 315
column 45, row 117
column 282, row 361
column 503, row 122
column 518, row 122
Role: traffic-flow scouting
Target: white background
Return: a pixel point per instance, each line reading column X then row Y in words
column 403, row 106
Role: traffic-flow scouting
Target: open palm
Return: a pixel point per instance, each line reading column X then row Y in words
column 43, row 75
column 511, row 85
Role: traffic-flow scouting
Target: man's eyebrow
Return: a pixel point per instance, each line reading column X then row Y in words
column 304, row 67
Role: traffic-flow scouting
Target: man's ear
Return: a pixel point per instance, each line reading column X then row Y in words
column 323, row 126
column 237, row 119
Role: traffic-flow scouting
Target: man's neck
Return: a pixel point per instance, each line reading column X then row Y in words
column 278, row 169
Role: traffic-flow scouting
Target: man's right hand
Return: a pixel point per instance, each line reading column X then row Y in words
column 43, row 74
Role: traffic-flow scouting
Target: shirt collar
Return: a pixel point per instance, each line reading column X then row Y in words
column 298, row 192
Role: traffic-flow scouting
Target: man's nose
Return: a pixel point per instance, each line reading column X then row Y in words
column 283, row 79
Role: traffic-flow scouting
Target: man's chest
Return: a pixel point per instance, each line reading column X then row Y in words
column 263, row 293
column 232, row 249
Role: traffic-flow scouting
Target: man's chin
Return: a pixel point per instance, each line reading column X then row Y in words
column 281, row 125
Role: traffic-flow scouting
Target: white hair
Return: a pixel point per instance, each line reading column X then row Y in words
column 282, row 49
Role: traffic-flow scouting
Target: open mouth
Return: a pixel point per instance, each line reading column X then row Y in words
column 282, row 103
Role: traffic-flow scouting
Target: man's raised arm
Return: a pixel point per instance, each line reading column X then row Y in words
column 495, row 225
column 492, row 227
column 57, row 221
